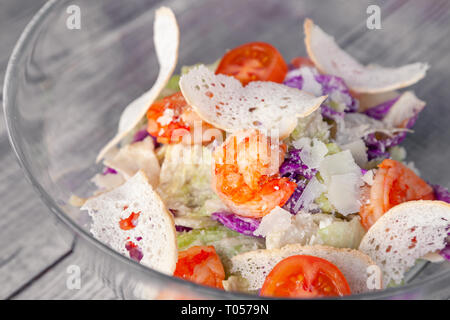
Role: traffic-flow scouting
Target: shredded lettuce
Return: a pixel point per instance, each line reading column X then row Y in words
column 343, row 234
column 171, row 87
column 237, row 284
column 324, row 204
column 312, row 126
column 333, row 148
column 398, row 153
column 212, row 66
column 227, row 243
column 185, row 181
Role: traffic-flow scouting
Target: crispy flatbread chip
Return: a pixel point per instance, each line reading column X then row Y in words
column 166, row 37
column 254, row 266
column 222, row 101
column 329, row 58
column 405, row 233
column 133, row 220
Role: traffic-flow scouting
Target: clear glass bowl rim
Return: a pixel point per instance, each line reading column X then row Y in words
column 9, row 91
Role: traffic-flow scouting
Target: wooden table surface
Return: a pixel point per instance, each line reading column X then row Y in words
column 34, row 264
column 33, row 259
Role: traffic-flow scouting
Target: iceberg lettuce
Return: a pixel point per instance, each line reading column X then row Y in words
column 185, row 181
column 227, row 243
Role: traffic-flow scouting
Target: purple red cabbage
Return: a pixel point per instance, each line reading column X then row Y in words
column 378, row 148
column 330, row 113
column 441, row 193
column 182, row 228
column 140, row 135
column 244, row 225
column 294, row 169
column 445, row 253
column 331, row 86
column 380, row 111
column 109, row 170
column 291, row 204
column 134, row 251
column 294, row 82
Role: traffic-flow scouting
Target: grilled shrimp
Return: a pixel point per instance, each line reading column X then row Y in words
column 393, row 184
column 246, row 174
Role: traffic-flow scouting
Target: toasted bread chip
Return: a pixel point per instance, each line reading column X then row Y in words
column 223, row 102
column 166, row 37
column 405, row 233
column 134, row 157
column 133, row 220
column 254, row 266
column 369, row 100
column 406, row 107
column 329, row 58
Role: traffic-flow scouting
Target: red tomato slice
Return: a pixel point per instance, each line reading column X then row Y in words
column 298, row 62
column 202, row 265
column 304, row 276
column 254, row 61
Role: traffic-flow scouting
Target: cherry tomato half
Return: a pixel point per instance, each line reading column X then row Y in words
column 254, row 61
column 202, row 265
column 304, row 276
column 298, row 62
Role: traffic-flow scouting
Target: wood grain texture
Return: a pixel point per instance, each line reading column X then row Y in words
column 53, row 284
column 34, row 260
column 31, row 246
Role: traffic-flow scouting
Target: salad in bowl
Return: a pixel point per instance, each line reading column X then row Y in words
column 280, row 179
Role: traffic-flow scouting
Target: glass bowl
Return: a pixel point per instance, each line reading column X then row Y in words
column 65, row 89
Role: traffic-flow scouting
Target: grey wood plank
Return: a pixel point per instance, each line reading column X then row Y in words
column 14, row 15
column 32, row 249
column 53, row 284
column 30, row 242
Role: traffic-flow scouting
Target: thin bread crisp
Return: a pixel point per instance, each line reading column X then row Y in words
column 405, row 233
column 254, row 266
column 150, row 230
column 166, row 37
column 134, row 157
column 329, row 58
column 222, row 101
column 406, row 107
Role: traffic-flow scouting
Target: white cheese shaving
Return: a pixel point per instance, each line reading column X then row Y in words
column 343, row 179
column 277, row 220
column 359, row 151
column 312, row 191
column 343, row 192
column 313, row 151
column 338, row 163
column 166, row 117
column 368, row 177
